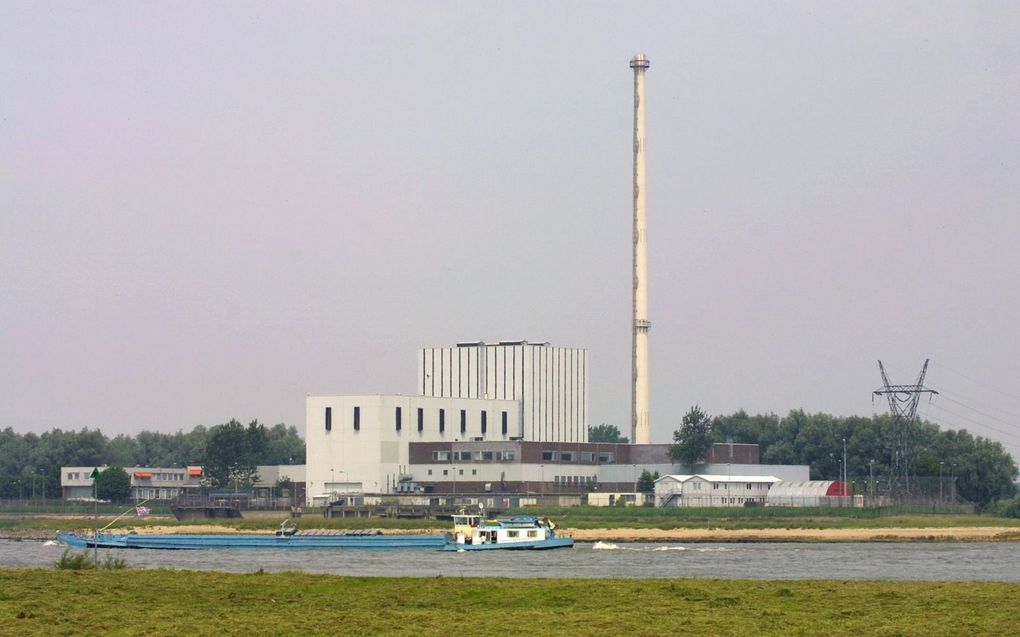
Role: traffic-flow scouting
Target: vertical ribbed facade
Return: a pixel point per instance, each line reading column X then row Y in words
column 551, row 383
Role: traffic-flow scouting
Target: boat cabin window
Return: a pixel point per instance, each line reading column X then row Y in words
column 512, row 534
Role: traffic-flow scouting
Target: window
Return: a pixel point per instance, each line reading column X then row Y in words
column 442, row 420
column 462, row 455
column 486, row 456
column 485, row 420
column 474, row 472
column 506, row 455
column 441, row 456
column 357, row 418
column 430, row 471
column 397, row 417
column 550, row 456
column 503, row 417
column 329, row 419
column 446, row 471
column 511, row 534
column 463, row 421
column 421, row 419
column 532, row 534
column 587, row 456
column 748, row 486
column 607, row 457
column 460, row 471
column 567, row 456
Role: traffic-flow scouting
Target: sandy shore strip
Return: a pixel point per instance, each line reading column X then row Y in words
column 947, row 534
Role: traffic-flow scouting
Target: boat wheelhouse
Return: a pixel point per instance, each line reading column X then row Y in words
column 472, row 533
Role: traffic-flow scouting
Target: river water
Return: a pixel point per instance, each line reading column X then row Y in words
column 998, row 561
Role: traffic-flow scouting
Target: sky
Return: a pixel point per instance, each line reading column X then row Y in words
column 210, row 210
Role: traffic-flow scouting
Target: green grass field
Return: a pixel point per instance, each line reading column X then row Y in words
column 161, row 602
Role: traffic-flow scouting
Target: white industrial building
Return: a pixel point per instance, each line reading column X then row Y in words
column 147, row 483
column 506, row 418
column 550, row 383
column 709, row 490
column 361, row 443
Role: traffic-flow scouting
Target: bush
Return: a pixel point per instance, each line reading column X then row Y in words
column 74, row 561
column 1009, row 508
column 83, row 561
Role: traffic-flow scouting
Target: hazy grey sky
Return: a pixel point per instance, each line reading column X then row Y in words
column 208, row 210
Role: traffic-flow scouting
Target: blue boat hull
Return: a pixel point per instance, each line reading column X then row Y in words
column 551, row 543
column 253, row 541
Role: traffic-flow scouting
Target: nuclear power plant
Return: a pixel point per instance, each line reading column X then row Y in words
column 506, row 422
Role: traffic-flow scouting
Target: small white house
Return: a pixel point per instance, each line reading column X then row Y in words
column 707, row 490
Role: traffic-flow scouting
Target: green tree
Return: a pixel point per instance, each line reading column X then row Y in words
column 283, row 446
column 693, row 439
column 605, row 433
column 233, row 452
column 113, row 484
column 646, row 483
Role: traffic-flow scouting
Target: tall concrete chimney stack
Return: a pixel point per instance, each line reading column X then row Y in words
column 639, row 425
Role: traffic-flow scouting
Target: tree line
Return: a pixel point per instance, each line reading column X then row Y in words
column 983, row 470
column 30, row 463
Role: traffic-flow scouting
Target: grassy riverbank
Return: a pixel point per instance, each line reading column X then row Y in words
column 49, row 602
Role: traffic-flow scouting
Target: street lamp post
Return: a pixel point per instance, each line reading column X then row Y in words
column 871, row 477
column 941, row 462
column 845, row 475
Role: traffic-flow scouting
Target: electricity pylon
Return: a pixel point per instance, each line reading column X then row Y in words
column 903, row 401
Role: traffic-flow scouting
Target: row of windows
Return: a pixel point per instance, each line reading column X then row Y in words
column 700, row 499
column 171, row 477
column 473, row 456
column 446, row 472
column 720, row 485
column 574, row 480
column 584, row 457
column 398, row 420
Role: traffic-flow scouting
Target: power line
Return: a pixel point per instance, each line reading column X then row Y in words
column 975, row 409
column 1008, row 434
column 977, row 382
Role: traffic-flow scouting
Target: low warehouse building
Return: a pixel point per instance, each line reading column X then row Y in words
column 809, row 493
column 709, row 490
